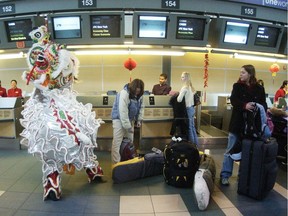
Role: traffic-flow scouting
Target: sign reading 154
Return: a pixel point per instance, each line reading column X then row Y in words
column 170, row 4
column 5, row 9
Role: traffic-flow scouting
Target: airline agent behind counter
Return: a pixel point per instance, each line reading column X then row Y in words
column 2, row 91
column 14, row 91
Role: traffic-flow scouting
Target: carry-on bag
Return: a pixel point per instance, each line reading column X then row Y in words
column 127, row 150
column 139, row 167
column 204, row 181
column 258, row 167
column 181, row 163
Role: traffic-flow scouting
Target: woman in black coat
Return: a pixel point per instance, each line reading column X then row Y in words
column 245, row 93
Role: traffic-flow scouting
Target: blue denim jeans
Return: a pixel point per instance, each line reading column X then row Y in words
column 227, row 166
column 192, row 135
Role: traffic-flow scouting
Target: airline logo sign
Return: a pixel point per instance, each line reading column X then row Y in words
column 280, row 4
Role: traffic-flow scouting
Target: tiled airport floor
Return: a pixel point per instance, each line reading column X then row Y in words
column 21, row 193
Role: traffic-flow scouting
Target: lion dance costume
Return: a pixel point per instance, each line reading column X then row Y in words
column 58, row 130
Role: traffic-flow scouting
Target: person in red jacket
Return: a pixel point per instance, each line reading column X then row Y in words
column 14, row 91
column 2, row 91
column 282, row 91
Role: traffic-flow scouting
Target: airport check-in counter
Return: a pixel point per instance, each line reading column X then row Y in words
column 156, row 125
column 10, row 113
column 157, row 122
column 102, row 105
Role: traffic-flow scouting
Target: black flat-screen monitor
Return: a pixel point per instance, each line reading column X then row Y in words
column 18, row 30
column 190, row 28
column 65, row 27
column 105, row 26
column 231, row 34
column 267, row 36
column 152, row 26
column 236, row 32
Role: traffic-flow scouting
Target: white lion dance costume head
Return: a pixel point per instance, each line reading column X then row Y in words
column 58, row 130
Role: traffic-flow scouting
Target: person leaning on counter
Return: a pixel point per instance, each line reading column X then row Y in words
column 2, row 91
column 14, row 91
column 162, row 88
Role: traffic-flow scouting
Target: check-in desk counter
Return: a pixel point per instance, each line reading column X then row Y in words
column 10, row 113
column 102, row 105
column 156, row 125
column 157, row 122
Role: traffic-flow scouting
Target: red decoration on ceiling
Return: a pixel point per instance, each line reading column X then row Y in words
column 205, row 77
column 274, row 68
column 130, row 64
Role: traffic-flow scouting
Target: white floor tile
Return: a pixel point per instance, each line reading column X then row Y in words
column 168, row 203
column 173, row 214
column 135, row 204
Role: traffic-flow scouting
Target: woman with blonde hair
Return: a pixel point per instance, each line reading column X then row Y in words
column 187, row 91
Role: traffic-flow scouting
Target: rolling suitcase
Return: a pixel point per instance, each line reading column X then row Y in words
column 258, row 168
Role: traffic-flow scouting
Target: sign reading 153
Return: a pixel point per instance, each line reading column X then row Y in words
column 170, row 4
column 86, row 3
column 5, row 9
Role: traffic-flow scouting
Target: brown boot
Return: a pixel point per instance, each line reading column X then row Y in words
column 94, row 173
column 52, row 188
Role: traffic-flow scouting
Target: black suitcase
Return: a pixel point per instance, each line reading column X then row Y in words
column 258, row 168
column 181, row 163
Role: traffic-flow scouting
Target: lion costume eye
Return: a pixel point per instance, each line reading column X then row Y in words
column 38, row 35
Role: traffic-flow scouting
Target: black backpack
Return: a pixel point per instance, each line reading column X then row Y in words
column 181, row 161
column 255, row 128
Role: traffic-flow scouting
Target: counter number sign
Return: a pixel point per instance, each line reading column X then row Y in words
column 86, row 3
column 7, row 9
column 174, row 4
column 248, row 11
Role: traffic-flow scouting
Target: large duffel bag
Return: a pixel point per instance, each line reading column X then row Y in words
column 258, row 168
column 139, row 167
column 204, row 181
column 181, row 163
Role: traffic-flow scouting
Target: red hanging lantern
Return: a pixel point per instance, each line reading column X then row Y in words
column 274, row 68
column 130, row 64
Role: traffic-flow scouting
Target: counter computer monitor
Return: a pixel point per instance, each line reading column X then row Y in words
column 191, row 30
column 236, row 32
column 18, row 30
column 150, row 28
column 105, row 26
column 66, row 27
column 230, row 34
column 15, row 31
column 268, row 38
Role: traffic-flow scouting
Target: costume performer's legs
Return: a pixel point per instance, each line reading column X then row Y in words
column 52, row 187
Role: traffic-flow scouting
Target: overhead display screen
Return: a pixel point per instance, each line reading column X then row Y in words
column 267, row 36
column 190, row 28
column 67, row 27
column 18, row 30
column 105, row 26
column 152, row 26
column 236, row 32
